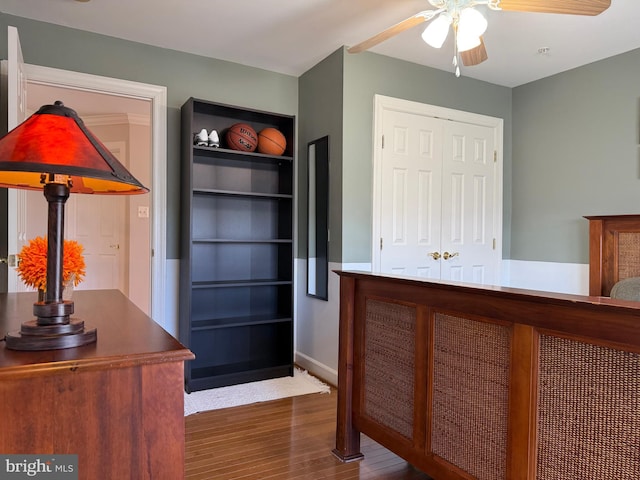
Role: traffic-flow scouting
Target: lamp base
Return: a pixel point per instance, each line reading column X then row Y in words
column 53, row 329
column 51, row 337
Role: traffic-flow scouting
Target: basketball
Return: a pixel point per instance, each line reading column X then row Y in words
column 241, row 136
column 271, row 141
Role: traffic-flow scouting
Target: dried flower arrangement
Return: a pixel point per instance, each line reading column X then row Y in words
column 32, row 263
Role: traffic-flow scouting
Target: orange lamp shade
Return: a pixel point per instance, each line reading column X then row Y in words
column 55, row 141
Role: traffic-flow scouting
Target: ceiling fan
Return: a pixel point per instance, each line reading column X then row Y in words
column 468, row 24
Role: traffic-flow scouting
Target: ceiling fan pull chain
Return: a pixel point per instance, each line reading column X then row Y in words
column 455, row 64
column 455, row 50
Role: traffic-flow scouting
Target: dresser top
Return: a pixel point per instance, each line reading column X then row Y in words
column 126, row 336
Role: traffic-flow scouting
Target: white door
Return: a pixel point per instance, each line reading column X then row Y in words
column 438, row 201
column 97, row 222
column 94, row 221
column 411, row 195
column 468, row 184
column 16, row 114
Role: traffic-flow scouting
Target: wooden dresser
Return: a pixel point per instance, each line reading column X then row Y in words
column 117, row 403
column 614, row 251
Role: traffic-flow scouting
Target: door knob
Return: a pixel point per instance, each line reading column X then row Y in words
column 447, row 255
column 434, row 255
column 10, row 260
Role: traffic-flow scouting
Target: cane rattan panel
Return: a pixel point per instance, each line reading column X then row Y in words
column 628, row 255
column 389, row 363
column 588, row 412
column 470, row 395
column 614, row 251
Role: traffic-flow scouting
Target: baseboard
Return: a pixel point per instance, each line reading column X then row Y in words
column 317, row 369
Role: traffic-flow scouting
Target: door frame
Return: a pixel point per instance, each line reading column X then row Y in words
column 383, row 104
column 157, row 95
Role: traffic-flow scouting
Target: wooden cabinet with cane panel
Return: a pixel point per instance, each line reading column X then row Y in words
column 614, row 251
column 487, row 383
column 236, row 268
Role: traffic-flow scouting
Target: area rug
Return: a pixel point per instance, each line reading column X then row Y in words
column 224, row 397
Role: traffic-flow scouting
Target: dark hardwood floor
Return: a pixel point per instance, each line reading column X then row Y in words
column 284, row 439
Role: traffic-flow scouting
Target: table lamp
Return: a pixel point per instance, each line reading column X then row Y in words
column 53, row 151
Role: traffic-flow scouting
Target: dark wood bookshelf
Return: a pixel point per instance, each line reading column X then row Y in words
column 236, row 268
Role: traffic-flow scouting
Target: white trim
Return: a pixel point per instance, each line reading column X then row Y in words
column 383, row 103
column 409, row 106
column 117, row 119
column 357, row 267
column 316, row 368
column 569, row 278
column 158, row 97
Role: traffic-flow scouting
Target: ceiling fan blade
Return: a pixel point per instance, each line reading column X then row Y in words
column 572, row 7
column 410, row 22
column 475, row 56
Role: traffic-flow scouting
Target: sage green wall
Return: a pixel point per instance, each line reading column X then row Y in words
column 367, row 74
column 575, row 152
column 575, row 135
column 183, row 74
column 320, row 114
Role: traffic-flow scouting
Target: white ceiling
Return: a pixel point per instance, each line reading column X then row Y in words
column 292, row 36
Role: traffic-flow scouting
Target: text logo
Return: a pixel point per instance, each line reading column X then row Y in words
column 49, row 467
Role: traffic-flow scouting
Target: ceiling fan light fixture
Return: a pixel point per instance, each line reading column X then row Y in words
column 469, row 25
column 472, row 22
column 467, row 42
column 436, row 32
